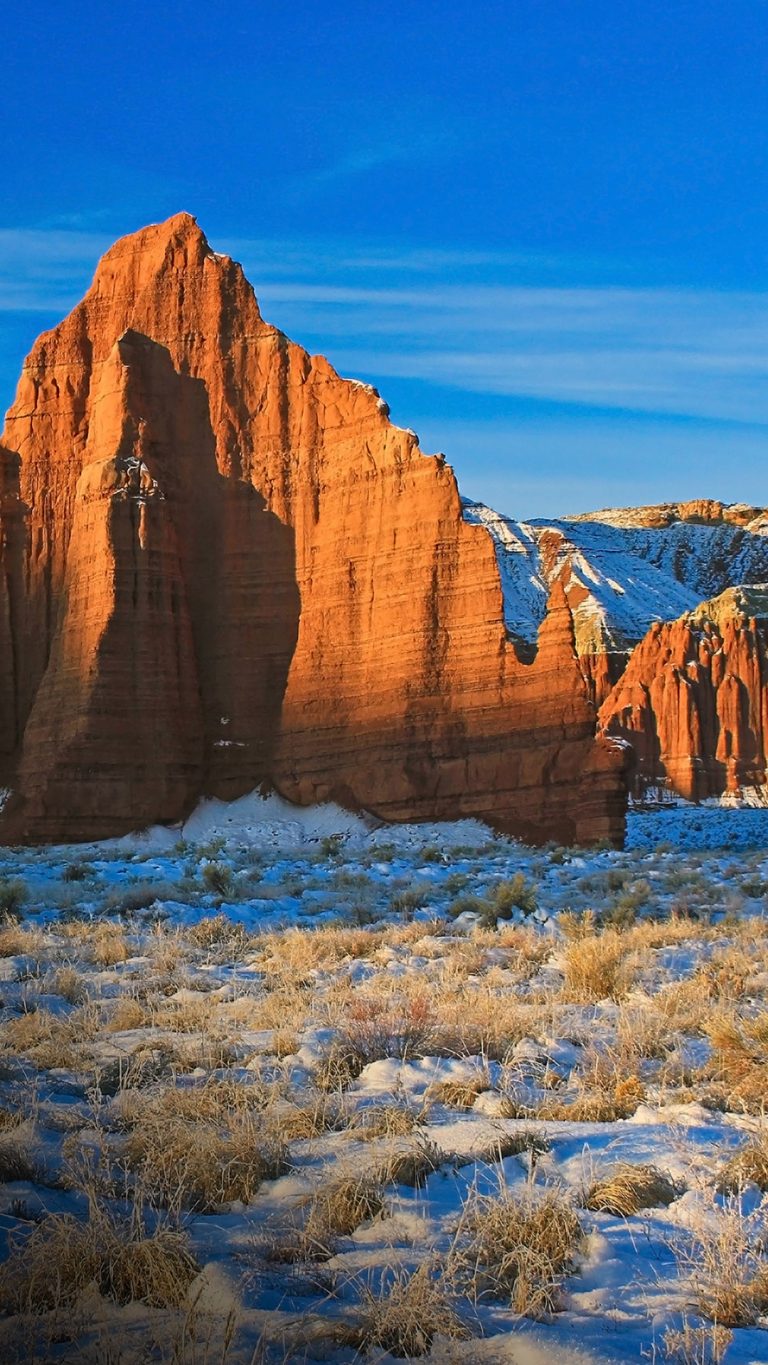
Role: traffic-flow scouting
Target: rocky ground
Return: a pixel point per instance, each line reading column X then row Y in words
column 282, row 1087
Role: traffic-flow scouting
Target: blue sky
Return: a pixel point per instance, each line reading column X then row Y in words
column 539, row 227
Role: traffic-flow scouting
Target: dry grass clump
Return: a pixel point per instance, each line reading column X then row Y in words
column 740, row 1060
column 405, row 1314
column 387, row 1120
column 694, row 1345
column 459, row 1094
column 604, row 1104
column 597, row 968
column 727, row 1268
column 70, row 985
column 413, row 1166
column 51, row 1266
column 518, row 1248
column 108, row 946
column 18, row 1160
column 748, row 1166
column 220, row 933
column 50, row 1040
column 321, row 1113
column 628, row 1188
column 337, row 1209
column 201, row 1164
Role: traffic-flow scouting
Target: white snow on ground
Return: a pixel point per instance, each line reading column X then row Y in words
column 633, row 575
column 416, row 925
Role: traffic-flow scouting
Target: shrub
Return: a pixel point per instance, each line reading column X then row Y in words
column 13, row 895
column 77, row 872
column 218, row 879
column 516, row 894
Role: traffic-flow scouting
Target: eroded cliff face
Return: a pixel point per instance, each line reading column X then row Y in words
column 693, row 702
column 12, row 554
column 236, row 570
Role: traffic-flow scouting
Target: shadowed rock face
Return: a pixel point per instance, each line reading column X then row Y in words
column 224, row 566
column 693, row 702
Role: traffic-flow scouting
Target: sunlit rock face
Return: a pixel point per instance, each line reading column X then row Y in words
column 223, row 566
column 693, row 702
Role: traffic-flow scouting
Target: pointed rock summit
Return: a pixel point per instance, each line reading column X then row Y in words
column 221, row 566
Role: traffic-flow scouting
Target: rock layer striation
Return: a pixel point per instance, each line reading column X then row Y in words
column 221, row 565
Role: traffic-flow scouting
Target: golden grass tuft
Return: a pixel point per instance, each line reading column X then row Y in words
column 750, row 1165
column 518, row 1248
column 597, row 968
column 201, row 1164
column 406, row 1313
column 384, row 1120
column 695, row 1345
column 628, row 1188
column 336, row 1210
column 727, row 1268
column 414, row 1165
column 50, row 1267
column 459, row 1094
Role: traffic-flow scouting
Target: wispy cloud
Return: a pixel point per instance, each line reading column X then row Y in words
column 683, row 353
column 43, row 270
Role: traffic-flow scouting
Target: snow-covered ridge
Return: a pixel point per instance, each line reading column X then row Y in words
column 619, row 577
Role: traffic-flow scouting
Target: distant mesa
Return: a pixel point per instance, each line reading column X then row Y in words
column 222, row 567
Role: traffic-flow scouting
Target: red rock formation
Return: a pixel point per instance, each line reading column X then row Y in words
column 693, row 702
column 12, row 541
column 238, row 571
